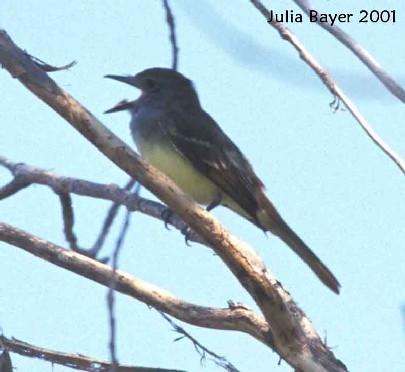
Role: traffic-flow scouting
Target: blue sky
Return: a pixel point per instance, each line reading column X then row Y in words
column 338, row 191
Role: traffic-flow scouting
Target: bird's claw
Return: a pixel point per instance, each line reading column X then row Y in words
column 186, row 231
column 166, row 216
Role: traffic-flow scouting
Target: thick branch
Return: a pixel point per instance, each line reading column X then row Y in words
column 294, row 338
column 286, row 34
column 235, row 319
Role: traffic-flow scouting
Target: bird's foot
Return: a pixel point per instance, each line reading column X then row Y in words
column 186, row 231
column 167, row 215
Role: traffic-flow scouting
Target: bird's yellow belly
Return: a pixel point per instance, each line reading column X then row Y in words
column 179, row 169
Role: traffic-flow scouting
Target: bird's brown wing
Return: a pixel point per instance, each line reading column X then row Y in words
column 199, row 139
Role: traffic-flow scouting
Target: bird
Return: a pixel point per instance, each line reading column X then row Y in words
column 172, row 131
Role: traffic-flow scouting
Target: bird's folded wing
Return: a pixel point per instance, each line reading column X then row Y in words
column 199, row 139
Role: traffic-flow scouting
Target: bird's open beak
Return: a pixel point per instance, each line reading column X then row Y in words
column 124, row 104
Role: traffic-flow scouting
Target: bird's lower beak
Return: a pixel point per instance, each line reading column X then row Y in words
column 123, row 105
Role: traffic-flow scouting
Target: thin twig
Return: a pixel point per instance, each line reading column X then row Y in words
column 47, row 67
column 111, row 291
column 331, row 85
column 68, row 220
column 219, row 360
column 172, row 30
column 109, row 219
column 359, row 51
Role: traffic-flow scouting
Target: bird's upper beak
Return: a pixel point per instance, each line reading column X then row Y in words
column 123, row 105
column 131, row 80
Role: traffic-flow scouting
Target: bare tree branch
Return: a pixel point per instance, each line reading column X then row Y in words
column 75, row 361
column 25, row 175
column 237, row 318
column 359, row 51
column 13, row 187
column 330, row 84
column 5, row 361
column 172, row 29
column 295, row 340
column 32, row 175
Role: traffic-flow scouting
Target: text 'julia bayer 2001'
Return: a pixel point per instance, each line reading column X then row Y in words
column 363, row 16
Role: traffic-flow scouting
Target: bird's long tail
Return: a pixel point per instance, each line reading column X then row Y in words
column 271, row 221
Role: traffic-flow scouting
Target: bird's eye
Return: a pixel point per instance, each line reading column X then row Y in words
column 151, row 85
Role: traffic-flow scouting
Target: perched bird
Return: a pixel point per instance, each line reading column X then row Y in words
column 173, row 132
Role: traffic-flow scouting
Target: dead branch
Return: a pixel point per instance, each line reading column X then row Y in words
column 28, row 175
column 359, row 51
column 76, row 361
column 326, row 78
column 239, row 319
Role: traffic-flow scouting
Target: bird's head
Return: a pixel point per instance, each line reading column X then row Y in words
column 163, row 83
